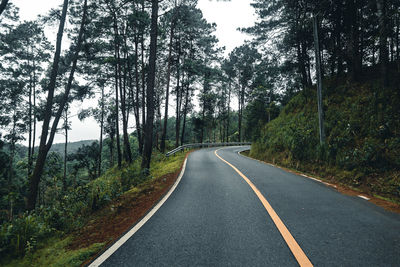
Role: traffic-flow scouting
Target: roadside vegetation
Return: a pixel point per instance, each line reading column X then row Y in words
column 354, row 46
column 72, row 229
column 362, row 147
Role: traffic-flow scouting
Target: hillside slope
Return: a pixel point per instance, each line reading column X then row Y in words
column 88, row 218
column 72, row 147
column 362, row 124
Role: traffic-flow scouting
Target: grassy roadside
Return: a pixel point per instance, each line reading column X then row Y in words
column 107, row 223
column 362, row 145
column 388, row 203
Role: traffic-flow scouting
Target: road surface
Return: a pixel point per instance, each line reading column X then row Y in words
column 215, row 218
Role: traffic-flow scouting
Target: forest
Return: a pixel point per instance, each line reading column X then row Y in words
column 161, row 80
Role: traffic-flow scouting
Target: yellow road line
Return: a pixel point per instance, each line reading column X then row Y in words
column 298, row 253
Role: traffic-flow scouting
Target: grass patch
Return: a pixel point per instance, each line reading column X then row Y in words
column 245, row 153
column 55, row 253
column 167, row 165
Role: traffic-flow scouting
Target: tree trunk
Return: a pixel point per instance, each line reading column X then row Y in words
column 136, row 107
column 222, row 132
column 30, row 156
column 122, row 90
column 148, row 141
column 143, row 86
column 11, row 168
column 398, row 35
column 111, row 147
column 239, row 120
column 34, row 115
column 229, row 109
column 241, row 106
column 319, row 83
column 391, row 48
column 301, row 63
column 116, row 73
column 338, row 30
column 202, row 125
column 101, row 130
column 119, row 158
column 3, row 5
column 65, row 150
column 353, row 36
column 185, row 114
column 158, row 120
column 361, row 35
column 127, row 150
column 383, row 50
column 164, row 130
column 373, row 59
column 178, row 97
column 43, row 149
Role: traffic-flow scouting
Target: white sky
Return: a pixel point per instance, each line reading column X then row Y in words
column 227, row 15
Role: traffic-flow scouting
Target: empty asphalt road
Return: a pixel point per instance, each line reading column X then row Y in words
column 217, row 218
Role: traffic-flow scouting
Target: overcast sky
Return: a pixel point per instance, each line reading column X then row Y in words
column 227, row 15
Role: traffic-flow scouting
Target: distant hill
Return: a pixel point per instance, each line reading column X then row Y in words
column 72, row 147
column 22, row 150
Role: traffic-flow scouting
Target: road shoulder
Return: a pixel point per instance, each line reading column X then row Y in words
column 378, row 201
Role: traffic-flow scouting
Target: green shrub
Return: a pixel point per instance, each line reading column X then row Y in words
column 362, row 129
column 21, row 234
column 104, row 189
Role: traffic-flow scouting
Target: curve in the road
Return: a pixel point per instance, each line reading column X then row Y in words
column 214, row 218
column 298, row 253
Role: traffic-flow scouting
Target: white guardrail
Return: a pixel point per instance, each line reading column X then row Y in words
column 200, row 145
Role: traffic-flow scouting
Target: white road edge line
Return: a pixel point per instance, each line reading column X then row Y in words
column 315, row 179
column 364, row 197
column 301, row 174
column 128, row 235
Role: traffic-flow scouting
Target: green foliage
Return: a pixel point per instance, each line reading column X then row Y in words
column 105, row 188
column 87, row 156
column 57, row 253
column 164, row 165
column 12, row 183
column 294, row 135
column 362, row 136
column 258, row 111
column 63, row 214
column 21, row 235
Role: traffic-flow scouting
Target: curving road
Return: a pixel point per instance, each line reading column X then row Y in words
column 215, row 218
